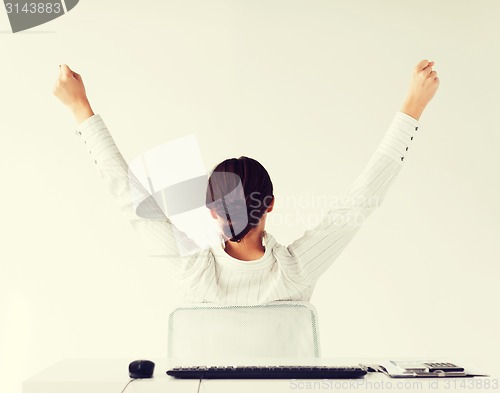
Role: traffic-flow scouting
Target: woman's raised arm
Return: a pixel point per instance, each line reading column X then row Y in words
column 160, row 236
column 318, row 248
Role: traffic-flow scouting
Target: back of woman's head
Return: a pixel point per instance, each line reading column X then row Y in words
column 240, row 191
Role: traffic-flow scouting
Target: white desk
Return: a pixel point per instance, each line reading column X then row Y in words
column 111, row 376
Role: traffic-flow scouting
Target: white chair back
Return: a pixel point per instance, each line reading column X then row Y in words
column 208, row 331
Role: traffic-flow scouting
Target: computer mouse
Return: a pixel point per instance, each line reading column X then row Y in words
column 141, row 369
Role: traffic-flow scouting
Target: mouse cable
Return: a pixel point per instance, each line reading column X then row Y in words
column 128, row 383
column 133, row 379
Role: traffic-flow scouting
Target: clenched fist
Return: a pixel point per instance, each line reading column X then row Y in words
column 423, row 85
column 70, row 90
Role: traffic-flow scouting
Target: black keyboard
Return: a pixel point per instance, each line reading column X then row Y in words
column 266, row 372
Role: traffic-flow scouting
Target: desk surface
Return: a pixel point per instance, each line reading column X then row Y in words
column 111, row 375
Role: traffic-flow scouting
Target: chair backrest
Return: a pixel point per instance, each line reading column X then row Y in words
column 209, row 331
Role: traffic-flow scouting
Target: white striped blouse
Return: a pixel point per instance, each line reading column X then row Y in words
column 283, row 272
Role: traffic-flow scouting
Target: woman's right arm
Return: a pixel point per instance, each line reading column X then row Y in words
column 162, row 238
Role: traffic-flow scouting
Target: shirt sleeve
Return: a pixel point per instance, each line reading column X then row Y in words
column 318, row 248
column 159, row 235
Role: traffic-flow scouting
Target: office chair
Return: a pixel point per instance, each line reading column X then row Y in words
column 280, row 329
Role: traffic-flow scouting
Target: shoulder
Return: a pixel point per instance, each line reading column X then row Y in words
column 279, row 250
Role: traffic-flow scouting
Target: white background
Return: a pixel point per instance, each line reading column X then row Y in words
column 308, row 88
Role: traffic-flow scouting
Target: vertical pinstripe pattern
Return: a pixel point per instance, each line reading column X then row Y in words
column 283, row 273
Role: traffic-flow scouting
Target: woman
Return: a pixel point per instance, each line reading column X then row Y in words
column 250, row 267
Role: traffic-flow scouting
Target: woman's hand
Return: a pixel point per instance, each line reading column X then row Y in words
column 423, row 85
column 70, row 90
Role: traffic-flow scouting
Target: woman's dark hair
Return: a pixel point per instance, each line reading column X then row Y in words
column 240, row 191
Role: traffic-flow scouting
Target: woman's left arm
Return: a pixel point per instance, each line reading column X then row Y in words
column 318, row 248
